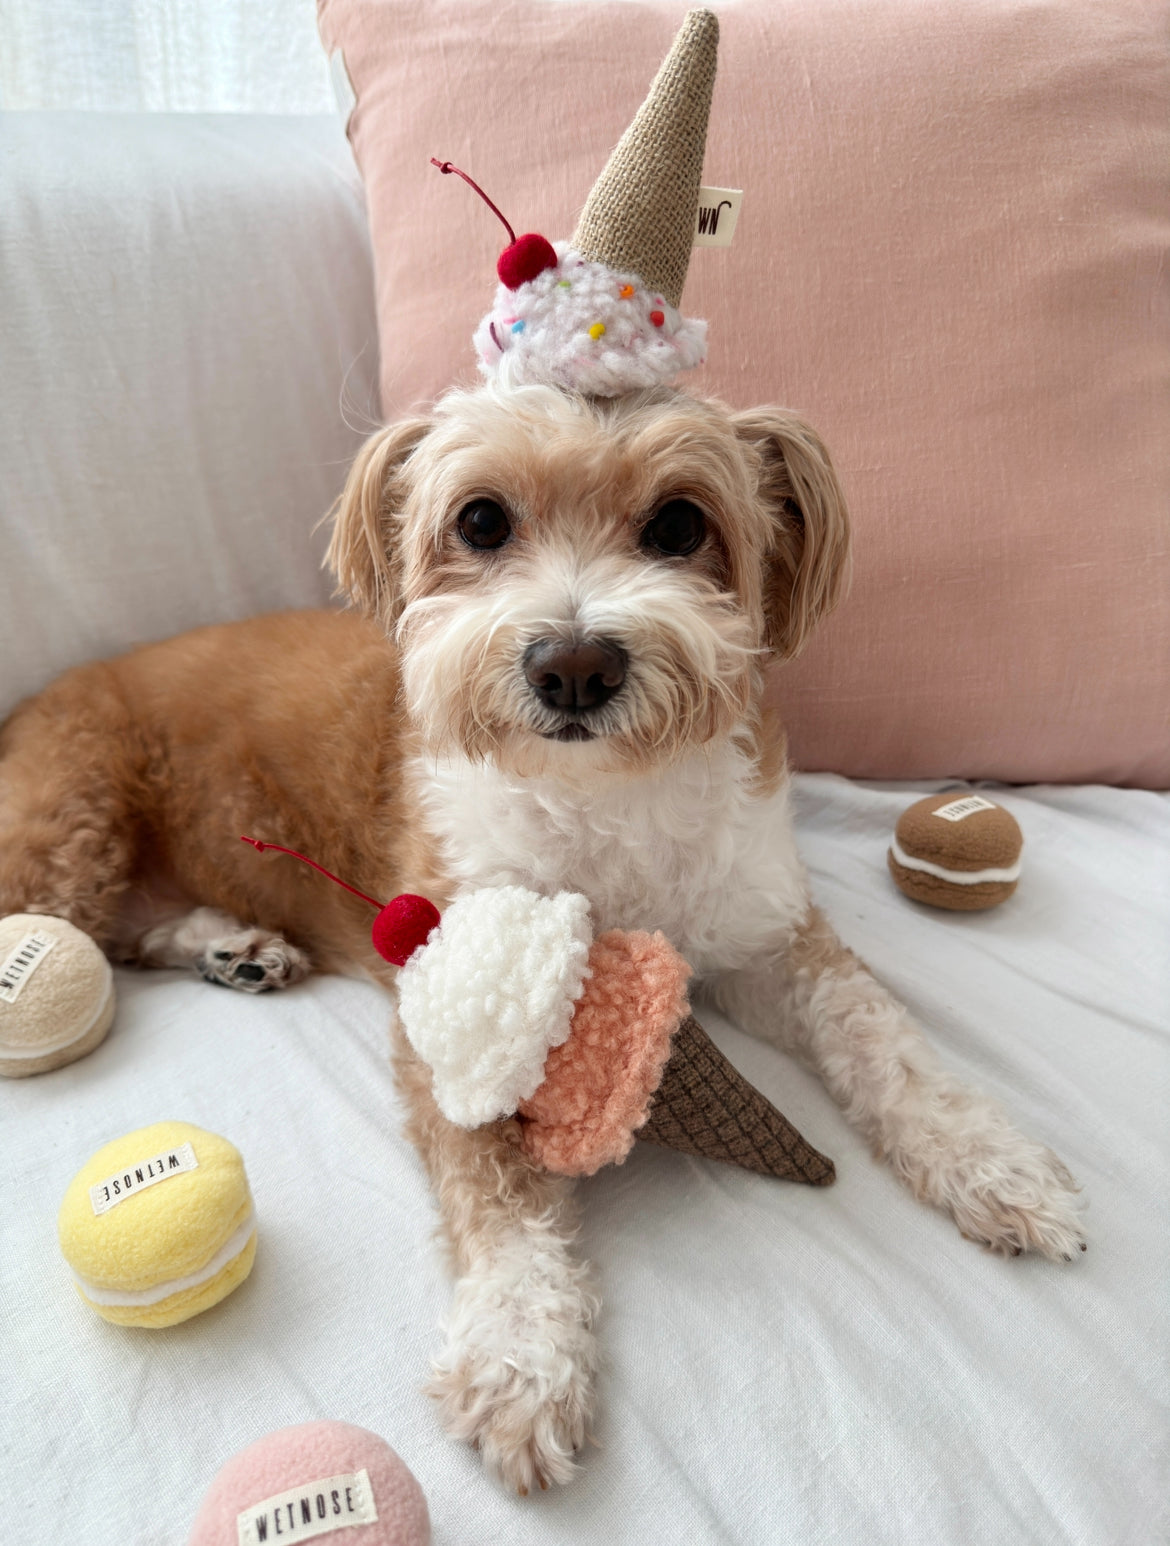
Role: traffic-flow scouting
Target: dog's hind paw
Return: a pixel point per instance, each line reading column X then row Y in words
column 222, row 950
column 252, row 961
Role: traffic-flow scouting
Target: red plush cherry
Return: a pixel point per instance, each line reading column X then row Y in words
column 527, row 256
column 402, row 926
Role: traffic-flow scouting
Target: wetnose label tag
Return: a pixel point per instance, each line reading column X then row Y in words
column 717, row 215
column 22, row 962
column 107, row 1194
column 958, row 809
column 316, row 1508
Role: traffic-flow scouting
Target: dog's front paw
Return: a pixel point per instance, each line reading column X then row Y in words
column 1003, row 1190
column 1026, row 1201
column 516, row 1376
column 252, row 961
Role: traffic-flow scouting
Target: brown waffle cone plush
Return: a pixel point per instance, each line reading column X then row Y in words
column 640, row 216
column 705, row 1106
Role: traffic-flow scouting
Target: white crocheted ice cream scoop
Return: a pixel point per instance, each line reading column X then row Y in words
column 583, row 327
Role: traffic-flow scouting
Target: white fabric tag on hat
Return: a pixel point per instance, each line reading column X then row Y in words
column 716, row 217
column 317, row 1508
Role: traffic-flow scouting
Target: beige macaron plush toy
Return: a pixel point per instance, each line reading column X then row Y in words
column 56, row 994
column 957, row 851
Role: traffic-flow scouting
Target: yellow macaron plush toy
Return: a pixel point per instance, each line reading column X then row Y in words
column 159, row 1225
column 957, row 851
column 56, row 994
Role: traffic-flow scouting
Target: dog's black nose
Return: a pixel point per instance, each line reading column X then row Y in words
column 576, row 677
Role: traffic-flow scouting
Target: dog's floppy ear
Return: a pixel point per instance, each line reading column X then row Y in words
column 363, row 551
column 806, row 569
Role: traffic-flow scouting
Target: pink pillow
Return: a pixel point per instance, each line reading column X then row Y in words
column 949, row 259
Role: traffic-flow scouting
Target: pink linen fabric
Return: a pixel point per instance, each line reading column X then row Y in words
column 951, row 259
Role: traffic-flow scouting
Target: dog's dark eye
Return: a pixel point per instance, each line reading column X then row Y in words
column 677, row 529
column 484, row 524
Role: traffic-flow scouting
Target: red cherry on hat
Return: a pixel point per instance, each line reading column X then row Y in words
column 527, row 257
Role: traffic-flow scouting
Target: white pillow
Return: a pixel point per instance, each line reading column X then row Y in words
column 188, row 325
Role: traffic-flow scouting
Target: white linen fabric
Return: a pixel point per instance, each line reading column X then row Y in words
column 203, row 56
column 188, row 362
column 784, row 1364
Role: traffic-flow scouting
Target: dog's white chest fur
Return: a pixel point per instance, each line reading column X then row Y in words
column 692, row 850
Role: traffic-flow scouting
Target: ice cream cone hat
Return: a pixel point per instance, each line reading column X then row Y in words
column 599, row 314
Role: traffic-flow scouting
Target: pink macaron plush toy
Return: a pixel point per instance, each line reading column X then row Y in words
column 327, row 1481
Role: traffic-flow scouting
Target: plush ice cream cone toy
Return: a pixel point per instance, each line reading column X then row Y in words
column 599, row 313
column 589, row 1042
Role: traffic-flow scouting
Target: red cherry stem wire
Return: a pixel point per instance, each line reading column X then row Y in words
column 446, row 166
column 280, row 848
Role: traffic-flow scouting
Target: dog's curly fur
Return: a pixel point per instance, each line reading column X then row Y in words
column 406, row 747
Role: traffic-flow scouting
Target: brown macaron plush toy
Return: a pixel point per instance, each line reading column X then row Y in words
column 957, row 851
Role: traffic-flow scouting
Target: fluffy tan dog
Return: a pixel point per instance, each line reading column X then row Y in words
column 556, row 681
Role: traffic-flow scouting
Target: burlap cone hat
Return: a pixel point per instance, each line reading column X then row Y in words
column 640, row 217
column 599, row 314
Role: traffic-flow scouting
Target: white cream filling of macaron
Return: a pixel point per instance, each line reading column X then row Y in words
column 957, row 877
column 46, row 1047
column 145, row 1296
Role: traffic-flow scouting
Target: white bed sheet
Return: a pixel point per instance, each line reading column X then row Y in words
column 784, row 1364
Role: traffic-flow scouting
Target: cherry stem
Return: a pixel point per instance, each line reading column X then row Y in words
column 446, row 166
column 280, row 848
